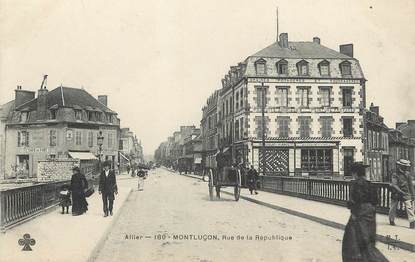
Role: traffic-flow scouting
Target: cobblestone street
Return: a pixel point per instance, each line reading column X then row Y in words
column 158, row 224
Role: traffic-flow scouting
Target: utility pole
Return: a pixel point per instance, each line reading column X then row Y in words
column 263, row 126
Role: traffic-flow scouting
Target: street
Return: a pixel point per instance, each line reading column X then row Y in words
column 173, row 220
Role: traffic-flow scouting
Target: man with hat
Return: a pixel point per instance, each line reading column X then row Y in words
column 107, row 188
column 402, row 190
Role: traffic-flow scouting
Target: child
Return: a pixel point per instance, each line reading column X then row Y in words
column 65, row 198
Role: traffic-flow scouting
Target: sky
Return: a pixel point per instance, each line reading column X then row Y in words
column 158, row 61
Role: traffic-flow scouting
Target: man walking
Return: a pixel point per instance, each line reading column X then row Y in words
column 107, row 188
column 402, row 190
column 252, row 180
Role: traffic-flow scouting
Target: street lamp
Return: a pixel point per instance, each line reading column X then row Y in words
column 100, row 141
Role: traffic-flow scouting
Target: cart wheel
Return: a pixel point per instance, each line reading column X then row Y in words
column 237, row 192
column 218, row 191
column 211, row 193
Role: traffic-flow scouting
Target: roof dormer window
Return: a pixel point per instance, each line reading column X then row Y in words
column 23, row 116
column 282, row 67
column 261, row 67
column 346, row 68
column 324, row 68
column 302, row 68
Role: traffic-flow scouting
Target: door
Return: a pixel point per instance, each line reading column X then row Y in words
column 348, row 159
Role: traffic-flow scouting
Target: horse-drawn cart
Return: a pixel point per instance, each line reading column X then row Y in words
column 226, row 177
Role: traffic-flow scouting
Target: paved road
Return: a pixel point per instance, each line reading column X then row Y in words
column 174, row 211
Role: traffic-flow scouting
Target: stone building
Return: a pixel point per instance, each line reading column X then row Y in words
column 4, row 113
column 376, row 145
column 62, row 123
column 208, row 126
column 313, row 99
column 408, row 130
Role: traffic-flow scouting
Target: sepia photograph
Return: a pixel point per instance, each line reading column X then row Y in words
column 207, row 131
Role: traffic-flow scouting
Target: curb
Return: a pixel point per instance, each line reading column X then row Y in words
column 383, row 239
column 92, row 257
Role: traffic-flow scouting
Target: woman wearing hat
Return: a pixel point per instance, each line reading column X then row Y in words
column 78, row 186
column 359, row 237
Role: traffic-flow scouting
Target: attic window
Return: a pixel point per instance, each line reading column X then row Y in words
column 23, row 116
column 346, row 68
column 282, row 67
column 53, row 114
column 90, row 115
column 261, row 67
column 78, row 114
column 302, row 68
column 324, row 68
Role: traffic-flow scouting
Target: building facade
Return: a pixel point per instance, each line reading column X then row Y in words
column 209, row 134
column 408, row 130
column 62, row 123
column 376, row 145
column 305, row 99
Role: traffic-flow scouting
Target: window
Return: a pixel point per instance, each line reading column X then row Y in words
column 258, row 121
column 90, row 115
column 78, row 138
column 23, row 116
column 348, row 127
column 302, row 68
column 261, row 95
column 283, row 126
column 241, row 127
column 348, row 159
column 242, row 99
column 304, row 126
column 53, row 114
column 282, row 67
column 326, row 129
column 52, row 137
column 282, row 96
column 237, row 101
column 78, row 114
column 324, row 68
column 347, row 97
column 236, row 130
column 98, row 116
column 227, row 107
column 260, row 67
column 325, row 96
column 316, row 160
column 345, row 68
column 22, row 138
column 303, row 99
column 90, row 139
column 110, row 140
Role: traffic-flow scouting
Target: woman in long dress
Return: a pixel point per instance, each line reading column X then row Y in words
column 78, row 186
column 359, row 238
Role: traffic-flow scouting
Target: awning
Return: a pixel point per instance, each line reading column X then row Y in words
column 126, row 158
column 82, row 155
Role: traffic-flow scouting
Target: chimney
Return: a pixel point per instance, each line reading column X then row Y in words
column 347, row 49
column 316, row 40
column 22, row 96
column 374, row 109
column 283, row 40
column 42, row 103
column 399, row 124
column 103, row 99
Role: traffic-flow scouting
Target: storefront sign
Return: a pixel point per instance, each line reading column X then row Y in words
column 300, row 80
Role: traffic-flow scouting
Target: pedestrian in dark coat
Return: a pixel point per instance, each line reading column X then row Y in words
column 65, row 198
column 359, row 239
column 78, row 186
column 107, row 188
column 252, row 180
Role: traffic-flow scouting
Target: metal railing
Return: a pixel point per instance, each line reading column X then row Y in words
column 19, row 204
column 323, row 190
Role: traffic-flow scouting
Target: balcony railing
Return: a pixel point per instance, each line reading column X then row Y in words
column 323, row 190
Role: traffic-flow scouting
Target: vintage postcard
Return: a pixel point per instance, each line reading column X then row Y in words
column 207, row 130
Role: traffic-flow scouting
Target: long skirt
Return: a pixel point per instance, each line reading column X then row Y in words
column 140, row 183
column 359, row 238
column 79, row 204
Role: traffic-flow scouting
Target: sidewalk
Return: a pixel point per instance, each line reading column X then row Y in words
column 64, row 237
column 331, row 215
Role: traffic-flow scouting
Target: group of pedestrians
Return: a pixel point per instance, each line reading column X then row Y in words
column 78, row 191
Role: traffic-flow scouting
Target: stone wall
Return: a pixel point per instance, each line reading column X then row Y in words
column 55, row 169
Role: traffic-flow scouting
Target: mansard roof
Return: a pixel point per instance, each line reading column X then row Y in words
column 67, row 97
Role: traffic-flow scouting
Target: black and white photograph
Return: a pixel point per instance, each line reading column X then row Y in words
column 207, row 131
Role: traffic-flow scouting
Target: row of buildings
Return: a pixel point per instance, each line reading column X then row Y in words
column 182, row 150
column 62, row 123
column 300, row 109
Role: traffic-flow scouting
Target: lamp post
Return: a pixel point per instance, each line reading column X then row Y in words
column 100, row 141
